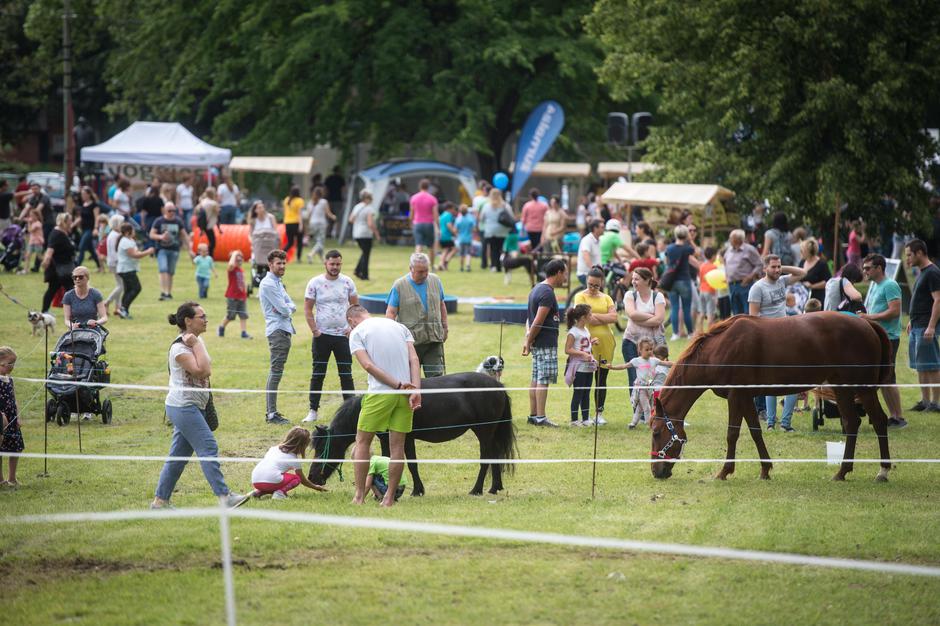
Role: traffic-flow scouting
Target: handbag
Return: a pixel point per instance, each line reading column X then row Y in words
column 668, row 279
column 506, row 219
column 209, row 413
column 846, row 304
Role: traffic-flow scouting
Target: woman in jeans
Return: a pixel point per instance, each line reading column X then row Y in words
column 88, row 219
column 494, row 233
column 128, row 265
column 646, row 309
column 190, row 366
column 679, row 255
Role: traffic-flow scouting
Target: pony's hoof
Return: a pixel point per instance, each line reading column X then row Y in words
column 417, row 493
column 721, row 476
column 839, row 478
column 881, row 479
column 764, row 476
column 476, row 493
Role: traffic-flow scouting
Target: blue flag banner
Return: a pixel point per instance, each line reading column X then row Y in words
column 539, row 133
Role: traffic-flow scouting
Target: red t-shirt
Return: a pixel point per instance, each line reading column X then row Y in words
column 705, row 268
column 236, row 285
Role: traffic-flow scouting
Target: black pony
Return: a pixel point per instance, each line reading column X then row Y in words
column 442, row 417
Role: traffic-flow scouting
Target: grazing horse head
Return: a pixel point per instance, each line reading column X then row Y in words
column 668, row 440
column 322, row 443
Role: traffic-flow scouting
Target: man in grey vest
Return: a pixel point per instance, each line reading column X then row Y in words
column 416, row 301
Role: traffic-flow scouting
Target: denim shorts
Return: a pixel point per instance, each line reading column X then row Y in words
column 923, row 356
column 424, row 234
column 166, row 261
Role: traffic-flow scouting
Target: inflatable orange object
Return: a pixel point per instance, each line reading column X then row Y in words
column 233, row 237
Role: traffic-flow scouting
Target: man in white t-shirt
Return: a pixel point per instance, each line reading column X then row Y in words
column 589, row 250
column 331, row 293
column 385, row 350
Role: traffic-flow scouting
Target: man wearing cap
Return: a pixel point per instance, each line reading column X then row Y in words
column 612, row 244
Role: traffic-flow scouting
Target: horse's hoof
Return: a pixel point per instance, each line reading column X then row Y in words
column 476, row 493
column 417, row 493
column 839, row 477
column 721, row 476
column 881, row 479
column 765, row 476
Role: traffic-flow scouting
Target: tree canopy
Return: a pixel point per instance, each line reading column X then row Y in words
column 799, row 101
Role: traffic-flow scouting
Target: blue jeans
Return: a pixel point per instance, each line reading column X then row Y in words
column 738, row 294
column 681, row 291
column 629, row 351
column 203, row 282
column 770, row 405
column 188, row 219
column 87, row 244
column 190, row 434
column 227, row 214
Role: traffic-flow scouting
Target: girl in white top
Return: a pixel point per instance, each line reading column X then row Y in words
column 114, row 223
column 318, row 211
column 579, row 373
column 259, row 220
column 272, row 475
column 645, row 367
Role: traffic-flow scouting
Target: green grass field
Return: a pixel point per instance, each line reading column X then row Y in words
column 150, row 572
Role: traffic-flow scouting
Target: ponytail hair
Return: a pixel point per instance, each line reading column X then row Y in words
column 575, row 313
column 186, row 311
column 647, row 275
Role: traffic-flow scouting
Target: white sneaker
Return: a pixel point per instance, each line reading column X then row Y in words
column 87, row 417
column 279, row 495
column 600, row 419
column 675, row 337
column 588, row 422
column 233, row 500
column 574, row 424
column 311, row 416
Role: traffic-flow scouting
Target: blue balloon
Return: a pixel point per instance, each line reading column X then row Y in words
column 500, row 181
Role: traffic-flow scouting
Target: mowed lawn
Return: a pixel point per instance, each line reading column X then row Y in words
column 148, row 572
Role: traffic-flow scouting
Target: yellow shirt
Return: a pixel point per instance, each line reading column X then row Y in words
column 292, row 209
column 600, row 305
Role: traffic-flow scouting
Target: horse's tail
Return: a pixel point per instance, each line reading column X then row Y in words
column 886, row 367
column 504, row 439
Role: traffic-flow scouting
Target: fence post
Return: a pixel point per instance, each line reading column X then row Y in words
column 227, row 566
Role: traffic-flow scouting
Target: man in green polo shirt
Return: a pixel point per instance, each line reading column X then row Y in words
column 883, row 304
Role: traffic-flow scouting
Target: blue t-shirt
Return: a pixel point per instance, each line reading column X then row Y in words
column 446, row 219
column 543, row 295
column 203, row 266
column 465, row 225
column 879, row 295
column 422, row 290
column 677, row 256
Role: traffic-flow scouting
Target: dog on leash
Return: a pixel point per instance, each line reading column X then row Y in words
column 511, row 263
column 492, row 366
column 40, row 322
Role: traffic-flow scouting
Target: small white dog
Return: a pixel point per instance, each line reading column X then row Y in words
column 41, row 321
column 492, row 366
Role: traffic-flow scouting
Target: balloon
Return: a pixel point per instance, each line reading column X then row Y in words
column 543, row 199
column 500, row 181
column 716, row 279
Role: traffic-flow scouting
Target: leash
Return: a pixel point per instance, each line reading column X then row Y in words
column 11, row 298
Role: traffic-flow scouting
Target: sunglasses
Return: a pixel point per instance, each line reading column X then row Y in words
column 79, row 277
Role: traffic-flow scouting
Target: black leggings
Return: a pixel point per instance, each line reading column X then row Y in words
column 210, row 235
column 55, row 281
column 323, row 347
column 293, row 237
column 495, row 247
column 131, row 289
column 600, row 388
column 362, row 267
column 581, row 396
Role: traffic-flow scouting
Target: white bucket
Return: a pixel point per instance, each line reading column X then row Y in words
column 835, row 450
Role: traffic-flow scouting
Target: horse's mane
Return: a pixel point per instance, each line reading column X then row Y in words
column 691, row 351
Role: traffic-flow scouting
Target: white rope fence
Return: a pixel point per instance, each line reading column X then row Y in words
column 494, row 534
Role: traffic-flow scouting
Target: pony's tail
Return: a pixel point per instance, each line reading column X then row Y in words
column 884, row 372
column 504, row 440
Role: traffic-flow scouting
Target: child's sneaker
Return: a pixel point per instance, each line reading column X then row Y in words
column 600, row 419
column 588, row 422
column 632, row 426
column 574, row 424
column 279, row 495
column 245, row 335
column 221, row 331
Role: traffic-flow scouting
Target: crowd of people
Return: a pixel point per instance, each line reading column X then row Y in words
column 770, row 272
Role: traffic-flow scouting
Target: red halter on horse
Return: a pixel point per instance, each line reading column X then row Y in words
column 803, row 350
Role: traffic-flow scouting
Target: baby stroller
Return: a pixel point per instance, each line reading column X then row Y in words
column 12, row 240
column 77, row 359
column 262, row 244
column 826, row 407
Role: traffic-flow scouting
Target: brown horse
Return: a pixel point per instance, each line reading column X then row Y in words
column 805, row 350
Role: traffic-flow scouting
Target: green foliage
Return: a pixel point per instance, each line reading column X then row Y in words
column 276, row 77
column 22, row 86
column 802, row 102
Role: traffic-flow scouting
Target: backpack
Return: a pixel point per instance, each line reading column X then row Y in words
column 847, row 305
column 781, row 246
column 506, row 219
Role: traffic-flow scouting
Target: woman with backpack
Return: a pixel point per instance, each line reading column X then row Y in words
column 777, row 240
column 207, row 216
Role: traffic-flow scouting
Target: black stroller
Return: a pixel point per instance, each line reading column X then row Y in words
column 12, row 240
column 77, row 359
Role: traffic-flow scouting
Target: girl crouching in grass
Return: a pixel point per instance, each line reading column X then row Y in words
column 272, row 475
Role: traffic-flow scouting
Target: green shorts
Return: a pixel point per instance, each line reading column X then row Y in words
column 385, row 411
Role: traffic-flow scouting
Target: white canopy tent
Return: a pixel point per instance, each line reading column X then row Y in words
column 614, row 169
column 301, row 166
column 667, row 194
column 156, row 143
